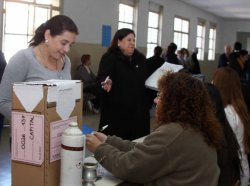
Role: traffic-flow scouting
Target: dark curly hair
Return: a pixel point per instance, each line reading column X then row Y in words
column 185, row 100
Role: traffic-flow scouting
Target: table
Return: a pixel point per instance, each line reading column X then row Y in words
column 111, row 180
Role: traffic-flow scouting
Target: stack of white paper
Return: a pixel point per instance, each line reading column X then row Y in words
column 151, row 82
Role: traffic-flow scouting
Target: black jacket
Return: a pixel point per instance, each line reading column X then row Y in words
column 125, row 107
column 153, row 63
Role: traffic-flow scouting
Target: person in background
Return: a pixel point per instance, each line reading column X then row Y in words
column 237, row 48
column 2, row 67
column 153, row 63
column 245, row 84
column 170, row 55
column 224, row 58
column 228, row 155
column 187, row 62
column 44, row 59
column 123, row 71
column 196, row 65
column 228, row 84
column 180, row 57
column 185, row 54
column 239, row 63
column 182, row 148
column 84, row 73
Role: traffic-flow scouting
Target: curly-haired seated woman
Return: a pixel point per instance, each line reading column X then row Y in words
column 182, row 148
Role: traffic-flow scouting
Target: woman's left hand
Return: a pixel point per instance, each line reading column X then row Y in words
column 107, row 85
column 92, row 142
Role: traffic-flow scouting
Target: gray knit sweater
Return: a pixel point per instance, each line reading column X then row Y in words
column 24, row 66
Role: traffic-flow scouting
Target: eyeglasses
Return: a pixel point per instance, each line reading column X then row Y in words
column 158, row 95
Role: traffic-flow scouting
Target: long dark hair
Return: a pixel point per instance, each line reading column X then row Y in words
column 230, row 138
column 57, row 25
column 228, row 83
column 119, row 35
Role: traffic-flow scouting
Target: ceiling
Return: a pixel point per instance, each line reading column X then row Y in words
column 230, row 9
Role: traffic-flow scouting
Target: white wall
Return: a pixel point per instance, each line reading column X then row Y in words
column 1, row 23
column 231, row 27
column 90, row 15
column 176, row 8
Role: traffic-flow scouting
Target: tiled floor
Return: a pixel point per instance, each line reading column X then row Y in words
column 5, row 163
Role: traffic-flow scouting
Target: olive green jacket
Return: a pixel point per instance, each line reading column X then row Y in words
column 169, row 156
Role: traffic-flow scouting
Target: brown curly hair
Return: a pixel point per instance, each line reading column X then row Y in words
column 185, row 100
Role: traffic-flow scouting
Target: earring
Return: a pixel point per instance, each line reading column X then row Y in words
column 118, row 45
column 46, row 42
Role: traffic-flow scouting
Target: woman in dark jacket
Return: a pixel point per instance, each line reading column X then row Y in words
column 124, row 103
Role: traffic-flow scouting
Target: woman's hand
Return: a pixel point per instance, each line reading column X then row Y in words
column 107, row 85
column 237, row 183
column 92, row 142
column 102, row 137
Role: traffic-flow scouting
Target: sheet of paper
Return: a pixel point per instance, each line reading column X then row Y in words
column 29, row 96
column 108, row 181
column 56, row 130
column 28, row 137
column 151, row 82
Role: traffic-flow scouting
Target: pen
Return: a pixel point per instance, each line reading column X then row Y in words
column 107, row 78
column 103, row 128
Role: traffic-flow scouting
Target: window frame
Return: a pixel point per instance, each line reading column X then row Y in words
column 202, row 37
column 212, row 42
column 32, row 7
column 155, row 9
column 132, row 5
column 181, row 33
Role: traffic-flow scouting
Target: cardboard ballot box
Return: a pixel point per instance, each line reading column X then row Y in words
column 41, row 111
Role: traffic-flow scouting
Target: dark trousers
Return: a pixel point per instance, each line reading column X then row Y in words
column 94, row 89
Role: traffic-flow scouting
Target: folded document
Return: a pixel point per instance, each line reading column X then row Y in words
column 151, row 82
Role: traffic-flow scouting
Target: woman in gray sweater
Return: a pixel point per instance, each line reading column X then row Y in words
column 182, row 148
column 44, row 59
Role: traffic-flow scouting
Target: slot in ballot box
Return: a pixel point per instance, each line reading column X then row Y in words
column 41, row 111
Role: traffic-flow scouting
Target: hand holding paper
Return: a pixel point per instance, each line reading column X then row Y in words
column 93, row 139
column 102, row 137
column 86, row 129
column 92, row 142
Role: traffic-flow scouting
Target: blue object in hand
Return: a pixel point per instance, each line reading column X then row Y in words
column 86, row 129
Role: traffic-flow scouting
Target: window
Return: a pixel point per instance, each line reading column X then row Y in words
column 212, row 40
column 126, row 14
column 200, row 39
column 19, row 27
column 181, row 31
column 153, row 28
